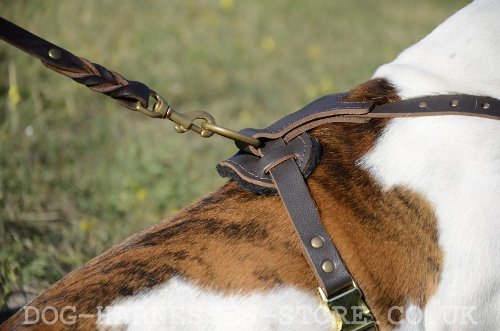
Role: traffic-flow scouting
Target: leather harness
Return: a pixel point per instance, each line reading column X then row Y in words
column 289, row 155
column 282, row 161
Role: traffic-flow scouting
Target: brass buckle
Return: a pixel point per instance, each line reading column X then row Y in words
column 186, row 121
column 349, row 311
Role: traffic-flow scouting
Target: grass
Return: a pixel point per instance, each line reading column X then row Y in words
column 79, row 173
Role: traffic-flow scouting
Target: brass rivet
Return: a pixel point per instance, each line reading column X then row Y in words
column 328, row 266
column 55, row 53
column 422, row 104
column 317, row 242
column 454, row 103
column 485, row 105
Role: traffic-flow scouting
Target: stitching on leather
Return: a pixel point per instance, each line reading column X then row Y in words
column 264, row 179
column 340, row 105
column 248, row 171
column 285, row 125
column 277, row 162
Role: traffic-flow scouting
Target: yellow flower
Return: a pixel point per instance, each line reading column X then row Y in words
column 267, row 44
column 314, row 52
column 141, row 194
column 226, row 5
column 87, row 224
column 14, row 97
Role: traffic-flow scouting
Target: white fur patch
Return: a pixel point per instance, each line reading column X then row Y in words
column 454, row 161
column 179, row 305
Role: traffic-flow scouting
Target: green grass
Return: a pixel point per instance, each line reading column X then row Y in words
column 79, row 173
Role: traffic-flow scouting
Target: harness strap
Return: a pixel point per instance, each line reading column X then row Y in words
column 454, row 104
column 332, row 108
column 320, row 252
column 336, row 284
column 252, row 171
column 94, row 76
column 281, row 165
column 318, row 112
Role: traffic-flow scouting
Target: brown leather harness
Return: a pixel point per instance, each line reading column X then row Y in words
column 277, row 159
column 289, row 155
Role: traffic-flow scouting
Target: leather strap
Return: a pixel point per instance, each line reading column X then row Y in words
column 94, row 76
column 336, row 284
column 252, row 171
column 317, row 246
column 332, row 108
column 454, row 104
column 324, row 110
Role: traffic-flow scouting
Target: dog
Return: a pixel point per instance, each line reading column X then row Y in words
column 410, row 203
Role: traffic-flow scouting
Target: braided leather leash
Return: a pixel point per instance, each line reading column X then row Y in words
column 273, row 160
column 94, row 76
column 130, row 94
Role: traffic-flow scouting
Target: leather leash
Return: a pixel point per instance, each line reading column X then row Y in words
column 130, row 94
column 94, row 76
column 277, row 159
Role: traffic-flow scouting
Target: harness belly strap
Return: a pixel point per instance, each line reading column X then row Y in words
column 319, row 249
column 281, row 163
column 320, row 252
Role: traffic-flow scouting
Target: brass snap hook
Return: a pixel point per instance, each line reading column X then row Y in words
column 160, row 107
column 186, row 121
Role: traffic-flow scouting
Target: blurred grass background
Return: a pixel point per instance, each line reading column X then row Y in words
column 79, row 173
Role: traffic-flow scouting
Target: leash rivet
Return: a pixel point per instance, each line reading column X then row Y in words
column 317, row 242
column 328, row 266
column 485, row 105
column 422, row 104
column 55, row 53
column 454, row 103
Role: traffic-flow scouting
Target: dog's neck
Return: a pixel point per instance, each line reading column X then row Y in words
column 459, row 56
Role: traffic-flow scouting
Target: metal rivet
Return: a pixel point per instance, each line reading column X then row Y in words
column 328, row 266
column 485, row 105
column 454, row 103
column 317, row 242
column 55, row 53
column 422, row 104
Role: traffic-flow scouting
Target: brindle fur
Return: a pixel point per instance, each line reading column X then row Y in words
column 236, row 242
